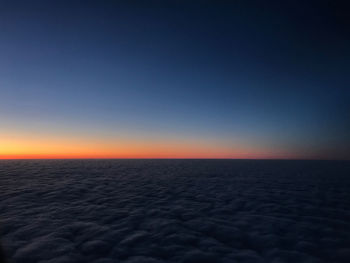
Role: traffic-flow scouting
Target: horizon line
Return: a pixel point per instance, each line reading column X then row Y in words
column 185, row 158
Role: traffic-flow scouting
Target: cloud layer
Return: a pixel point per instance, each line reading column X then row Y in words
column 102, row 211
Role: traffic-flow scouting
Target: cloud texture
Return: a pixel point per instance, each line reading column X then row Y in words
column 102, row 211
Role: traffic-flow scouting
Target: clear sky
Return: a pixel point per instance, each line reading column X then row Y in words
column 174, row 79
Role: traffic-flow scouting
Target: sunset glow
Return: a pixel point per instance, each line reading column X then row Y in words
column 21, row 146
column 82, row 81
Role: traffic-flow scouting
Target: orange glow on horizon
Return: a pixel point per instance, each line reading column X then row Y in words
column 19, row 146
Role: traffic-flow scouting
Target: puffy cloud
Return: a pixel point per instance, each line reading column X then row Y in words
column 174, row 211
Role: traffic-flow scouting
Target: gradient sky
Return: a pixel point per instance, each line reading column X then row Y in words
column 174, row 79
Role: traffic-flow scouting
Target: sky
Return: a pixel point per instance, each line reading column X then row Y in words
column 174, row 79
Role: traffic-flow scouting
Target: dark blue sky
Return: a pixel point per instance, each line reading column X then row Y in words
column 266, row 75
